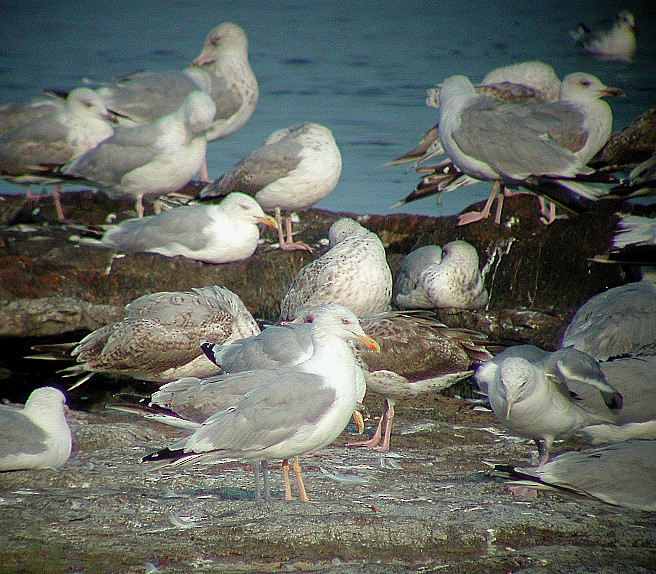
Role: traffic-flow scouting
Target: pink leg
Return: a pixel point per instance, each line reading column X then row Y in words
column 56, row 195
column 139, row 207
column 473, row 216
column 204, row 174
column 380, row 436
column 548, row 211
column 287, row 480
column 288, row 244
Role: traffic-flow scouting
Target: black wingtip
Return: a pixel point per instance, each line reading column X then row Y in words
column 164, row 454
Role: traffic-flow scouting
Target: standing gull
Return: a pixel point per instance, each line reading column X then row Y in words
column 299, row 410
column 452, row 281
column 222, row 69
column 618, row 43
column 529, row 392
column 353, row 272
column 36, row 436
column 64, row 132
column 160, row 336
column 295, row 168
column 210, row 233
column 621, row 474
column 152, row 159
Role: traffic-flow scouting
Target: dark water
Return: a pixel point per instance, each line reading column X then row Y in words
column 361, row 68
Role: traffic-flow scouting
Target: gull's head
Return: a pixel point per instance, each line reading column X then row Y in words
column 244, row 208
column 456, row 88
column 515, row 375
column 580, row 86
column 345, row 228
column 88, row 101
column 625, row 19
column 340, row 322
column 225, row 39
column 462, row 252
column 46, row 400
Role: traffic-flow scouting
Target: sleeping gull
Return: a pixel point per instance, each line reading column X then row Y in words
column 295, row 168
column 615, row 323
column 298, row 410
column 418, row 356
column 211, row 233
column 36, row 436
column 618, row 43
column 66, row 131
column 537, row 146
column 151, row 159
column 529, row 392
column 222, row 69
column 621, row 474
column 454, row 280
column 160, row 335
column 353, row 272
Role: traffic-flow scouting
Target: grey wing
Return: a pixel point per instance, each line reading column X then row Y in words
column 512, row 139
column 41, row 142
column 269, row 415
column 18, row 434
column 569, row 133
column 262, row 167
column 146, row 96
column 183, row 225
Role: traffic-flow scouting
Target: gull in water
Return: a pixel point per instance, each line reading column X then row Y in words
column 353, row 272
column 452, row 279
column 294, row 169
column 222, row 69
column 622, row 474
column 618, row 322
column 42, row 140
column 36, row 436
column 211, row 233
column 618, row 43
column 160, row 335
column 152, row 159
column 299, row 410
column 418, row 356
column 529, row 391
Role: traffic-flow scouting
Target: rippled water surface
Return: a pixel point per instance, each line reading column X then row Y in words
column 360, row 68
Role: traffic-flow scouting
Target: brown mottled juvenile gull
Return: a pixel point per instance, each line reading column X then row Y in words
column 66, row 131
column 622, row 474
column 210, row 233
column 152, row 159
column 353, row 272
column 160, row 336
column 300, row 409
column 452, row 281
column 618, row 43
column 222, row 69
column 529, row 391
column 36, row 436
column 294, row 169
column 617, row 322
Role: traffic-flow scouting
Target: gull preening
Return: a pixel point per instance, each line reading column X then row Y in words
column 294, row 169
column 353, row 272
column 299, row 410
column 37, row 435
column 529, row 391
column 618, row 43
column 149, row 160
column 432, row 279
column 211, row 233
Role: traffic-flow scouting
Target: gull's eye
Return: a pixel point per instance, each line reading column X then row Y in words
column 585, row 83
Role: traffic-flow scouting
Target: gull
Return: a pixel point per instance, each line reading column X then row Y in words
column 36, row 436
column 211, row 233
column 53, row 134
column 152, row 159
column 617, row 322
column 418, row 356
column 621, row 474
column 618, row 43
column 353, row 272
column 537, row 146
column 529, row 391
column 294, row 169
column 299, row 410
column 454, row 280
column 222, row 69
column 160, row 335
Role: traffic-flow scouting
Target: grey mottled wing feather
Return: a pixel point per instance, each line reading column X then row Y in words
column 18, row 434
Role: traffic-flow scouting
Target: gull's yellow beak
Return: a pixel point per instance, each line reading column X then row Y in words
column 358, row 420
column 369, row 342
column 268, row 221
